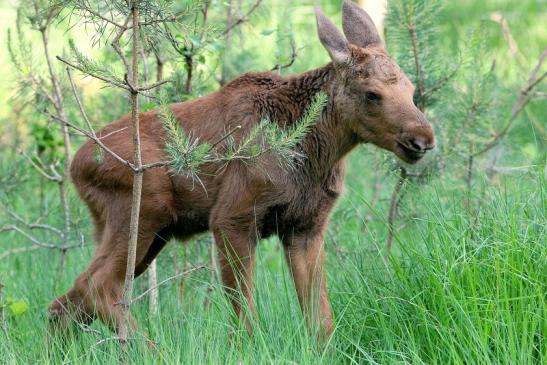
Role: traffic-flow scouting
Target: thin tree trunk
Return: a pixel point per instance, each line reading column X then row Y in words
column 159, row 69
column 2, row 319
column 394, row 207
column 137, row 181
column 419, row 75
column 151, row 273
column 189, row 60
column 152, row 269
column 227, row 43
column 469, row 177
column 214, row 275
column 153, row 287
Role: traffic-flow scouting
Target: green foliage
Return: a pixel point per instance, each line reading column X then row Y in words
column 187, row 154
column 474, row 108
column 16, row 307
column 48, row 142
column 283, row 142
column 461, row 92
column 412, row 38
column 33, row 87
column 92, row 66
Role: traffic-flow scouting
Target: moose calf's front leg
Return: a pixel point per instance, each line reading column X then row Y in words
column 305, row 255
column 236, row 259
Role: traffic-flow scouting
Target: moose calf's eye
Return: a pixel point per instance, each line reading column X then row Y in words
column 372, row 97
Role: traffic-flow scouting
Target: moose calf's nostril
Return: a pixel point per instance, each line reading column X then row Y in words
column 418, row 144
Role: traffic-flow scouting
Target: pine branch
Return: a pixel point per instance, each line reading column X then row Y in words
column 242, row 19
column 296, row 133
column 83, row 7
column 394, row 207
column 187, row 154
column 95, row 69
column 114, row 82
column 523, row 99
column 95, row 139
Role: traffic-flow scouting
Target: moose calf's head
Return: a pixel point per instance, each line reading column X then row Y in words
column 374, row 97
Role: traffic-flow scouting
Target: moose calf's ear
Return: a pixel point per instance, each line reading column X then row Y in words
column 332, row 39
column 358, row 26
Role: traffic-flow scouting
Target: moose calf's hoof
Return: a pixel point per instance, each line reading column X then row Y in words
column 64, row 312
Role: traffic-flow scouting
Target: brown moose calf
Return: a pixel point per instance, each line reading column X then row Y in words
column 369, row 101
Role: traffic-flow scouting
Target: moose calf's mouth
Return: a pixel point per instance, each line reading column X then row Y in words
column 412, row 156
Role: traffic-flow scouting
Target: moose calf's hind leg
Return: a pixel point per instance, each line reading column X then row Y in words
column 98, row 290
column 67, row 311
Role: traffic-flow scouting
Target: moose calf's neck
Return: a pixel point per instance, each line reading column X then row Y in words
column 328, row 141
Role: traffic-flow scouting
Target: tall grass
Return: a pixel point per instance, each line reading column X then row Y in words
column 467, row 288
column 465, row 285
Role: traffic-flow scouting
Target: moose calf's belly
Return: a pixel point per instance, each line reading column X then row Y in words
column 283, row 221
column 189, row 223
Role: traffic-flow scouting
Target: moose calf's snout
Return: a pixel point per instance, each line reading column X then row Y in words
column 412, row 146
column 421, row 143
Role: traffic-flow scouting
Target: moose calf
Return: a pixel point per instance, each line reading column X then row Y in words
column 370, row 100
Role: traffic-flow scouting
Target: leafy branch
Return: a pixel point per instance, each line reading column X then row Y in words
column 187, row 154
column 523, row 98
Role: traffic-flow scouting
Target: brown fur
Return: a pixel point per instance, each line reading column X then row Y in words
column 242, row 203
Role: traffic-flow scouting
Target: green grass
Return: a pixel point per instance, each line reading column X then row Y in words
column 466, row 284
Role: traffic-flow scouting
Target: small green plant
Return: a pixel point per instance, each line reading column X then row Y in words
column 16, row 307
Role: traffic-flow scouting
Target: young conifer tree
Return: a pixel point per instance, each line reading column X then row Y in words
column 457, row 92
column 411, row 39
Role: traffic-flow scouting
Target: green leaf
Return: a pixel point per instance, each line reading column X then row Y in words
column 148, row 106
column 267, row 32
column 215, row 47
column 196, row 41
column 98, row 154
column 18, row 308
